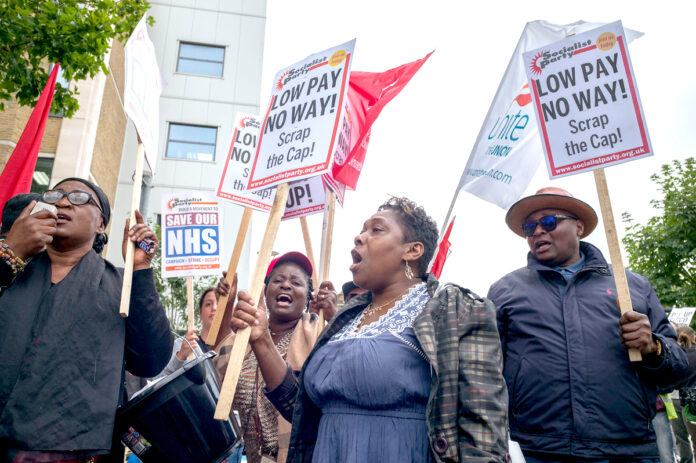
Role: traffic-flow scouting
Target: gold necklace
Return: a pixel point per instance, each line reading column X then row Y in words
column 369, row 311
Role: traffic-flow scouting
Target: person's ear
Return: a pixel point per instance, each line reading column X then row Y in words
column 413, row 252
column 580, row 227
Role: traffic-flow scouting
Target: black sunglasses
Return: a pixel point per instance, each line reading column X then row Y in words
column 76, row 197
column 547, row 223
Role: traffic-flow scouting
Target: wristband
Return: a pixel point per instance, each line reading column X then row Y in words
column 15, row 262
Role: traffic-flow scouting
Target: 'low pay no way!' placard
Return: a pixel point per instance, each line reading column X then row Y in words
column 587, row 101
column 302, row 121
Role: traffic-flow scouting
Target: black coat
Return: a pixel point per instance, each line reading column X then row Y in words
column 573, row 390
column 63, row 351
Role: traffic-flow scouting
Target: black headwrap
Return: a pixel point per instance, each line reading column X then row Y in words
column 99, row 240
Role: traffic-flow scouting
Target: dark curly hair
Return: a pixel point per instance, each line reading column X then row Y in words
column 417, row 226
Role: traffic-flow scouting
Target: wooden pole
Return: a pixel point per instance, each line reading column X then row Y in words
column 310, row 251
column 189, row 303
column 234, row 366
column 614, row 251
column 231, row 270
column 326, row 242
column 189, row 309
column 130, row 246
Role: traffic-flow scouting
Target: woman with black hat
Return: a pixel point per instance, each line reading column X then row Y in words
column 64, row 346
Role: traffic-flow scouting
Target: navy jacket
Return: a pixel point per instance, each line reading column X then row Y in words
column 573, row 390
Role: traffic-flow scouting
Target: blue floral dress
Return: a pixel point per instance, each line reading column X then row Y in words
column 372, row 387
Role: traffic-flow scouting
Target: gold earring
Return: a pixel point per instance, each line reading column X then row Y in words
column 409, row 272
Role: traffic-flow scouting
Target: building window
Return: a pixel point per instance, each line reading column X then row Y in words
column 204, row 60
column 194, row 142
column 61, row 81
column 42, row 175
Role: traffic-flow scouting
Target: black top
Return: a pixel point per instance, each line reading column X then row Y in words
column 64, row 348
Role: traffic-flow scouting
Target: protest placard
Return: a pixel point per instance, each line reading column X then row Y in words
column 191, row 235
column 305, row 197
column 682, row 316
column 235, row 175
column 143, row 86
column 303, row 118
column 587, row 102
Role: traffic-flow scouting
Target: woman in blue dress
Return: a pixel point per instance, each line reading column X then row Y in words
column 408, row 372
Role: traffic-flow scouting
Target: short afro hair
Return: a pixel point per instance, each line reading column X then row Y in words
column 417, row 226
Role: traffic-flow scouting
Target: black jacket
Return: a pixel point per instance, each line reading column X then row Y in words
column 573, row 390
column 63, row 352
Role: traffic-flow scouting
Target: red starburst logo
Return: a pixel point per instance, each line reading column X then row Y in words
column 279, row 84
column 536, row 70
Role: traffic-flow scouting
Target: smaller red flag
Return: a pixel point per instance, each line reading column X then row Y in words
column 442, row 252
column 368, row 94
column 17, row 174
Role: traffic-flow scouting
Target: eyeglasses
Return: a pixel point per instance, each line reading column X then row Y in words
column 547, row 223
column 76, row 197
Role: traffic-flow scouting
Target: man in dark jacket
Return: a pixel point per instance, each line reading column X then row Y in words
column 574, row 394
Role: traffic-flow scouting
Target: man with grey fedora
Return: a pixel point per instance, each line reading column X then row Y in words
column 574, row 394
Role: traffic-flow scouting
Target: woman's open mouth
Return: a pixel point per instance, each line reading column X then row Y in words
column 283, row 300
column 357, row 258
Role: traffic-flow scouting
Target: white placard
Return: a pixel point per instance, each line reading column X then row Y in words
column 191, row 235
column 142, row 90
column 303, row 118
column 586, row 102
column 682, row 316
column 235, row 175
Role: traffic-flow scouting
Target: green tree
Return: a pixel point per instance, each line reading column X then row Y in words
column 172, row 291
column 664, row 249
column 76, row 34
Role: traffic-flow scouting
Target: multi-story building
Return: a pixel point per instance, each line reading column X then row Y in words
column 210, row 55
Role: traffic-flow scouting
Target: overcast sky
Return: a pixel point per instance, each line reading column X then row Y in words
column 422, row 139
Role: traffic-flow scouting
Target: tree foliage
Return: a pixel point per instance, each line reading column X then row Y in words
column 664, row 249
column 172, row 291
column 76, row 34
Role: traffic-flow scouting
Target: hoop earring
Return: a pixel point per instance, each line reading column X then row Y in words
column 409, row 272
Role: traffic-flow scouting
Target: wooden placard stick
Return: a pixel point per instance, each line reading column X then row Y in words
column 231, row 270
column 326, row 242
column 130, row 246
column 241, row 341
column 624, row 295
column 310, row 251
column 189, row 303
column 189, row 309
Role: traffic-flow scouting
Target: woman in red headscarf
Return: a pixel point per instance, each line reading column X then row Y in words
column 292, row 326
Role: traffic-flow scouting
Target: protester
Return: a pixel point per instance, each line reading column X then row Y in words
column 207, row 307
column 663, row 430
column 350, row 290
column 574, row 394
column 292, row 331
column 684, row 428
column 404, row 372
column 64, row 345
column 13, row 207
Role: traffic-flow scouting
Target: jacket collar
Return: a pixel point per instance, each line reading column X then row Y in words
column 594, row 260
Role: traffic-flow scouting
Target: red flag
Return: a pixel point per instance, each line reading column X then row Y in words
column 17, row 174
column 442, row 252
column 368, row 94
